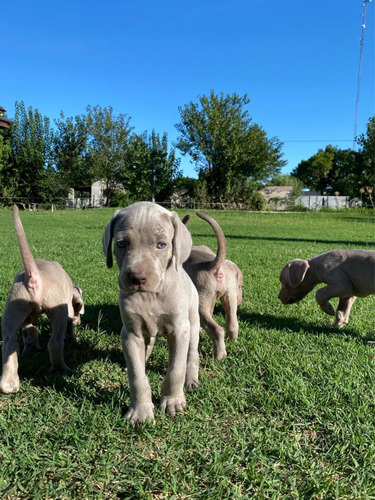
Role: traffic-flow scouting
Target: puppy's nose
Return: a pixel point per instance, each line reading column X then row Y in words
column 138, row 278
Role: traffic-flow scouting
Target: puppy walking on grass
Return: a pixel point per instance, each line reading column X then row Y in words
column 40, row 287
column 348, row 274
column 157, row 298
column 215, row 277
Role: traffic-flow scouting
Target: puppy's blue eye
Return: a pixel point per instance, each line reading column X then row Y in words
column 121, row 243
column 160, row 245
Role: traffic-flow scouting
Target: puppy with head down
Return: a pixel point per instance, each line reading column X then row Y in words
column 157, row 298
column 348, row 274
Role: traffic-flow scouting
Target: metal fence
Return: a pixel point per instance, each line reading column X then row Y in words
column 309, row 202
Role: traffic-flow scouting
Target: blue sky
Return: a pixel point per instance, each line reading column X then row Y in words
column 297, row 61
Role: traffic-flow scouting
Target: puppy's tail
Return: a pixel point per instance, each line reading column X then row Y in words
column 221, row 253
column 33, row 278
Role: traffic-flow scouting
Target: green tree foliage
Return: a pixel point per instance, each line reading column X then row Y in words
column 341, row 170
column 70, row 146
column 108, row 142
column 314, row 172
column 227, row 148
column 7, row 184
column 152, row 168
column 366, row 151
column 32, row 148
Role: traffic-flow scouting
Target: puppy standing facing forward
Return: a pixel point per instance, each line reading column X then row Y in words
column 40, row 287
column 348, row 274
column 215, row 278
column 157, row 298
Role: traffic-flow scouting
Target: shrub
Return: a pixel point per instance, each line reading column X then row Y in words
column 121, row 199
column 257, row 202
column 298, row 208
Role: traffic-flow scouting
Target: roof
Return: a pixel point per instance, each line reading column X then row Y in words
column 5, row 122
column 277, row 191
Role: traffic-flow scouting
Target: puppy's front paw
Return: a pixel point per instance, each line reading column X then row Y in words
column 328, row 309
column 172, row 404
column 140, row 413
column 9, row 386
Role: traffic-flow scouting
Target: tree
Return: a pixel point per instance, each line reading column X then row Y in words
column 341, row 170
column 32, row 147
column 7, row 185
column 366, row 143
column 227, row 148
column 70, row 147
column 314, row 172
column 152, row 168
column 108, row 138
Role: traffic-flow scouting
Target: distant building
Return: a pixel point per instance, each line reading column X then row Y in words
column 315, row 201
column 4, row 121
column 89, row 196
column 281, row 198
column 278, row 197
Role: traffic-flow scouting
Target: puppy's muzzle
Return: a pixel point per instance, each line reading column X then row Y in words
column 287, row 299
column 139, row 279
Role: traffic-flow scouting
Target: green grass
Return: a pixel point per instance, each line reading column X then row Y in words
column 290, row 413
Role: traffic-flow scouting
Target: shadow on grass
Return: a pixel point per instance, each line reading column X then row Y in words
column 300, row 240
column 104, row 316
column 358, row 218
column 94, row 342
column 298, row 325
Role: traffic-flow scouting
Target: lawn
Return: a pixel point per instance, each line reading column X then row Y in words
column 290, row 413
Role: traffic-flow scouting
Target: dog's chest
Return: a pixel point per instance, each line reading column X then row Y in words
column 145, row 313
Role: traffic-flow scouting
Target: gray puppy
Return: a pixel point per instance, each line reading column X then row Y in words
column 215, row 277
column 348, row 274
column 41, row 287
column 157, row 298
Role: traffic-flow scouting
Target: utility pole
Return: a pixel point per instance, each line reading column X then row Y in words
column 361, row 43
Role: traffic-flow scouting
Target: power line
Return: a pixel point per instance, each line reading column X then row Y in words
column 319, row 140
column 361, row 43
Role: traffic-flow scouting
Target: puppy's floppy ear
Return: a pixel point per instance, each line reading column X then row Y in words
column 182, row 242
column 78, row 305
column 297, row 271
column 107, row 240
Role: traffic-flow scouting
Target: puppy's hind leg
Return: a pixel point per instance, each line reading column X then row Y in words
column 59, row 320
column 229, row 302
column 343, row 311
column 215, row 332
column 150, row 347
column 30, row 340
column 13, row 318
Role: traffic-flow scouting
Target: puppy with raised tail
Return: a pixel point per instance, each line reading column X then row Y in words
column 215, row 277
column 40, row 287
column 157, row 298
column 348, row 274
